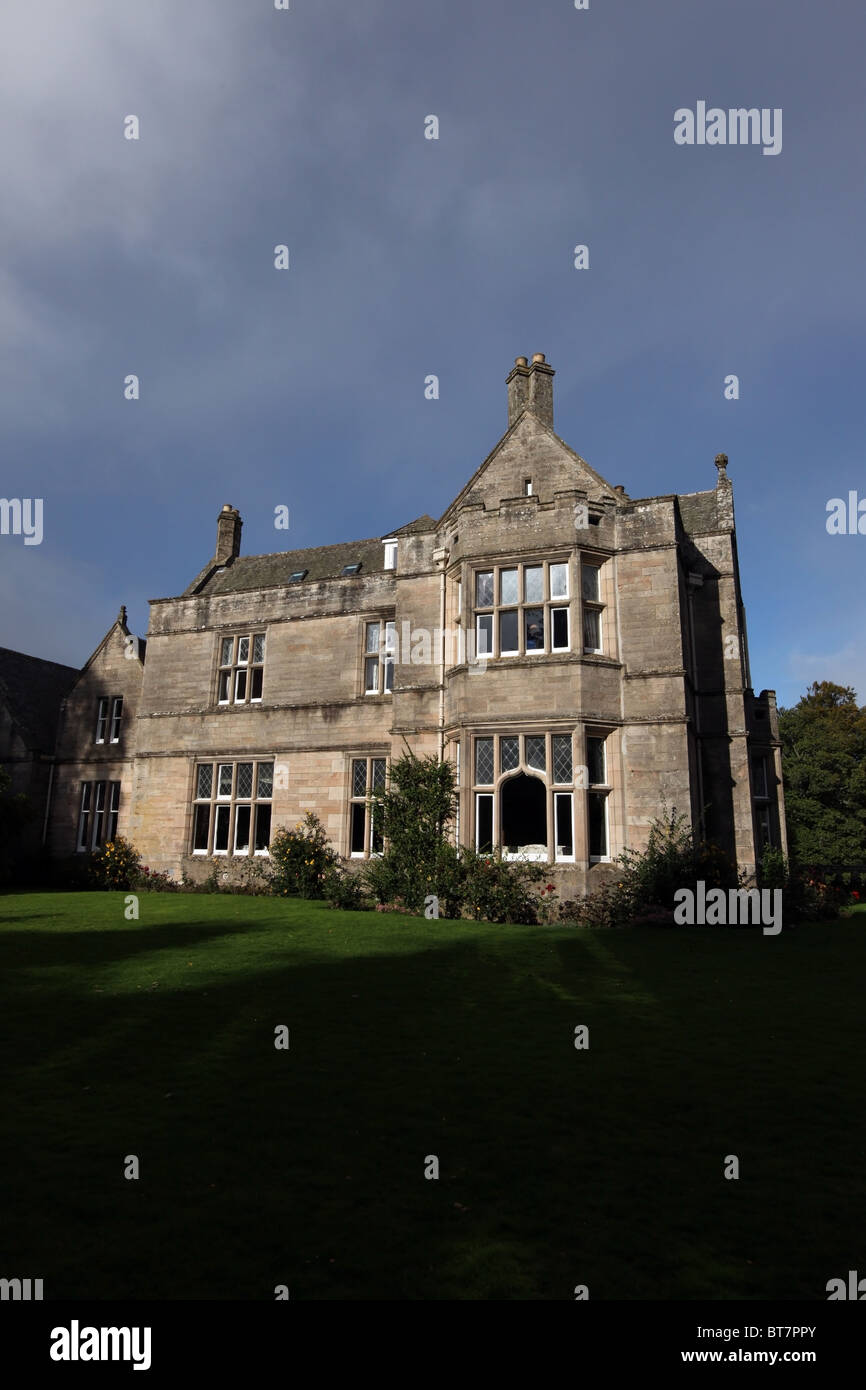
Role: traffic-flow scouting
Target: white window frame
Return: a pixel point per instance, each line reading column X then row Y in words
column 116, row 717
column 101, row 719
column 557, row 797
column 390, row 554
column 229, row 672
column 220, row 802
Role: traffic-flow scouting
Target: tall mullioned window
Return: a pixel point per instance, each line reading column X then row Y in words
column 523, row 795
column 522, row 609
column 98, row 812
column 365, row 813
column 380, row 643
column 241, row 669
column 232, row 807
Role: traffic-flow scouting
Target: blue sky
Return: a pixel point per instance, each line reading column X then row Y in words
column 410, row 257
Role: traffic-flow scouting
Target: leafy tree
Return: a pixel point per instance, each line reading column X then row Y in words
column 416, row 809
column 824, row 768
column 16, row 812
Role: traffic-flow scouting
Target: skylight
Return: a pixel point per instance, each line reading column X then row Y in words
column 297, row 575
column 351, row 569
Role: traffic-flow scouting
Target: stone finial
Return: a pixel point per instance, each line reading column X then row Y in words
column 121, row 617
column 722, row 465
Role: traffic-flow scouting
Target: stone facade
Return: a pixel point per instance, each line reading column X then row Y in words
column 582, row 654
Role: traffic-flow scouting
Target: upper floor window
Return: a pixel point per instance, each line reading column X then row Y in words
column 390, row 555
column 593, row 608
column 521, row 609
column 760, row 780
column 242, row 669
column 527, row 487
column 109, row 713
column 380, row 641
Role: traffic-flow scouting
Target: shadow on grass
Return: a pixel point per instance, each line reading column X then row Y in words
column 306, row 1166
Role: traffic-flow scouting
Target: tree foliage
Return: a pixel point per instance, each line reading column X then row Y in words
column 824, row 769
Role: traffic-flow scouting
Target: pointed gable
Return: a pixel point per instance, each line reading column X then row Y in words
column 531, row 450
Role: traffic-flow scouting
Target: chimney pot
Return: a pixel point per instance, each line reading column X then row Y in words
column 530, row 387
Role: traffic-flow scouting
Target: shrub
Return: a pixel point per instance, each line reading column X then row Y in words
column 344, row 889
column 498, row 890
column 648, row 879
column 301, row 859
column 116, row 865
column 152, row 881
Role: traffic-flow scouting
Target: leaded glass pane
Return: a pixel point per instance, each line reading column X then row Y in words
column 562, row 758
column 359, row 776
column 245, row 779
column 533, row 583
column 266, row 779
column 227, row 648
column 535, row 752
column 390, row 636
column 484, row 589
column 379, row 774
column 204, row 783
column 259, row 648
column 372, row 637
column 508, row 586
column 509, row 753
column 243, row 650
column 225, row 779
column 484, row 762
column 559, row 581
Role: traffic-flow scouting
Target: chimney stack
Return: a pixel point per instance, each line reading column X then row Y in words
column 228, row 546
column 530, row 387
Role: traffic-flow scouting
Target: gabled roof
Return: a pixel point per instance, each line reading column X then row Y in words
column 32, row 690
column 585, row 474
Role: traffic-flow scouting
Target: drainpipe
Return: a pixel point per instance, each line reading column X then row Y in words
column 440, row 557
column 48, row 802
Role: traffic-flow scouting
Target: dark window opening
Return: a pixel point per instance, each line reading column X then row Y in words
column 524, row 815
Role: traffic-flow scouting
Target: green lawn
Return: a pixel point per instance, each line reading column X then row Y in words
column 557, row 1167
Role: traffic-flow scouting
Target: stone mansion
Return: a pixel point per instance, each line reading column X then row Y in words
column 579, row 654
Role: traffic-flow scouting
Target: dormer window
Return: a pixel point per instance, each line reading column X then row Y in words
column 390, row 555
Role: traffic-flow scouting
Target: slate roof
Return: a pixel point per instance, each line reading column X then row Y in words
column 322, row 562
column 32, row 690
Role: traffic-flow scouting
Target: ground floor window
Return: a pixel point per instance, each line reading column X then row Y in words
column 529, row 789
column 365, row 813
column 232, row 808
column 97, row 815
